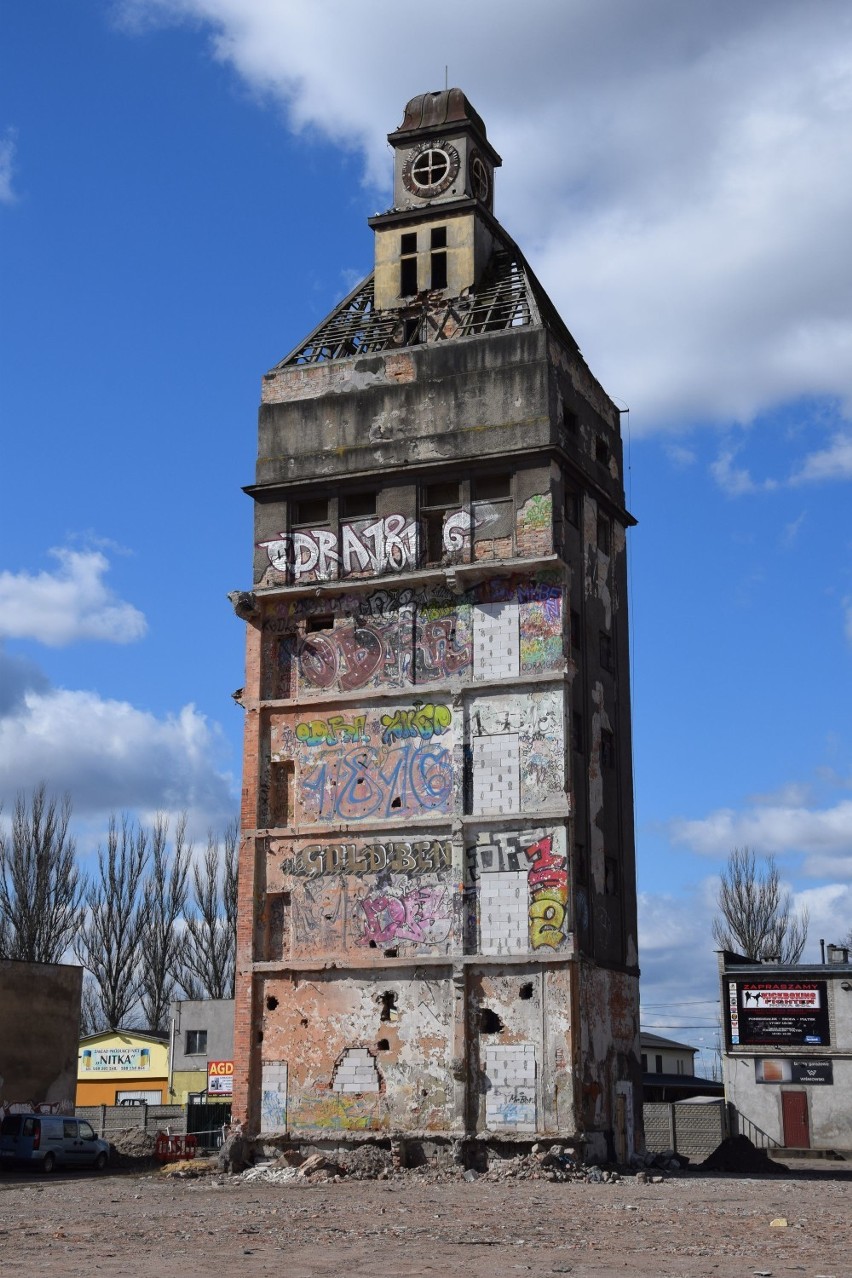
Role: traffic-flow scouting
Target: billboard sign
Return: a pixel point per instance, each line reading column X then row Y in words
column 785, row 1013
column 220, row 1078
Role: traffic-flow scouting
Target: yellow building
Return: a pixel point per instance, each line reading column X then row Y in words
column 123, row 1066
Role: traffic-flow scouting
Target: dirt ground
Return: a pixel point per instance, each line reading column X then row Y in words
column 691, row 1224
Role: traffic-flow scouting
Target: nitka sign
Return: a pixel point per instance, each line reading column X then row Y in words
column 117, row 1060
column 220, row 1078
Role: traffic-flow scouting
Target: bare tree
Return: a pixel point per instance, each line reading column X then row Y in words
column 210, row 938
column 109, row 939
column 756, row 914
column 164, row 898
column 41, row 888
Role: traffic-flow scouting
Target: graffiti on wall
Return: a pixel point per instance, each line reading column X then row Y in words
column 368, row 546
column 522, row 890
column 418, row 915
column 536, row 720
column 403, row 856
column 371, row 546
column 547, row 880
column 398, row 637
column 370, row 765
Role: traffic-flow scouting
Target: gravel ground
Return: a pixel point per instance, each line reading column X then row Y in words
column 691, row 1224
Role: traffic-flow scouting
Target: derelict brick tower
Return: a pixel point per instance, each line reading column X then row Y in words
column 437, row 933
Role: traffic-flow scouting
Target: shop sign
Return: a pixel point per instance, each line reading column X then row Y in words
column 117, row 1060
column 220, row 1078
column 792, row 1069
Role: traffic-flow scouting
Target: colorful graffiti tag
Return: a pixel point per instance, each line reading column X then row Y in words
column 419, row 916
column 548, row 886
column 541, row 867
column 423, row 721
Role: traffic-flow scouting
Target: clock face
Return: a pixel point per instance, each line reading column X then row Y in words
column 429, row 170
column 480, row 181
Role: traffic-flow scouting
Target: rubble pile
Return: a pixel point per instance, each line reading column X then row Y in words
column 738, row 1154
column 132, row 1147
column 367, row 1162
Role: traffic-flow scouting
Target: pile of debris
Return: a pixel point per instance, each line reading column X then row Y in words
column 666, row 1160
column 131, row 1147
column 738, row 1154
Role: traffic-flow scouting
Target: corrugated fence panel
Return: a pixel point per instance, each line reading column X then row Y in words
column 687, row 1129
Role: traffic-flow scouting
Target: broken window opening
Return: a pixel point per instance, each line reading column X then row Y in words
column 408, row 264
column 577, row 734
column 603, row 534
column 571, row 506
column 271, row 1003
column 321, row 621
column 358, row 505
column 493, row 487
column 383, row 1045
column 391, row 953
column 489, row 1022
column 281, row 794
column 388, row 1001
column 601, row 450
column 607, row 749
column 310, row 511
column 606, row 652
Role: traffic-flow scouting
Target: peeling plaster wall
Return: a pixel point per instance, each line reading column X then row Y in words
column 437, row 906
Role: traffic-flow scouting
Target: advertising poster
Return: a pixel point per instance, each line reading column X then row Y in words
column 786, row 1013
column 789, row 1069
column 220, row 1078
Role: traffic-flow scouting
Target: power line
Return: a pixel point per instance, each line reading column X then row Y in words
column 690, row 1002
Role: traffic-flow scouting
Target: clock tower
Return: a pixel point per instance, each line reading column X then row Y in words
column 439, row 235
column 437, row 901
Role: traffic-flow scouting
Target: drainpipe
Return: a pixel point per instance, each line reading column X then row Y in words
column 172, row 1058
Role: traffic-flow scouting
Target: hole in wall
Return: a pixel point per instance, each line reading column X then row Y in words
column 304, row 1022
column 397, row 802
column 388, row 1006
column 260, row 1036
column 391, row 953
column 489, row 1022
column 373, row 945
column 526, row 990
column 383, row 1045
column 271, row 1003
column 424, row 1092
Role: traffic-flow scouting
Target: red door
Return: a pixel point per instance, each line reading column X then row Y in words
column 794, row 1111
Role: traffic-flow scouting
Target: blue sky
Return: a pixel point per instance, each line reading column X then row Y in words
column 184, row 187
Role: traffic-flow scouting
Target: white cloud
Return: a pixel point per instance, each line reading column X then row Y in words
column 8, row 146
column 824, row 833
column 736, row 480
column 832, row 462
column 678, row 173
column 68, row 605
column 110, row 755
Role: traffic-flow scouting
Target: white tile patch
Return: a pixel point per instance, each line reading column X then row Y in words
column 496, row 641
column 356, row 1072
column 273, row 1096
column 510, row 1098
column 496, row 762
column 504, row 913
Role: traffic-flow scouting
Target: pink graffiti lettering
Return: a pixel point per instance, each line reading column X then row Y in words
column 405, row 918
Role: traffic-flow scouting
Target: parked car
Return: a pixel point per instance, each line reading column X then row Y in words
column 50, row 1141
